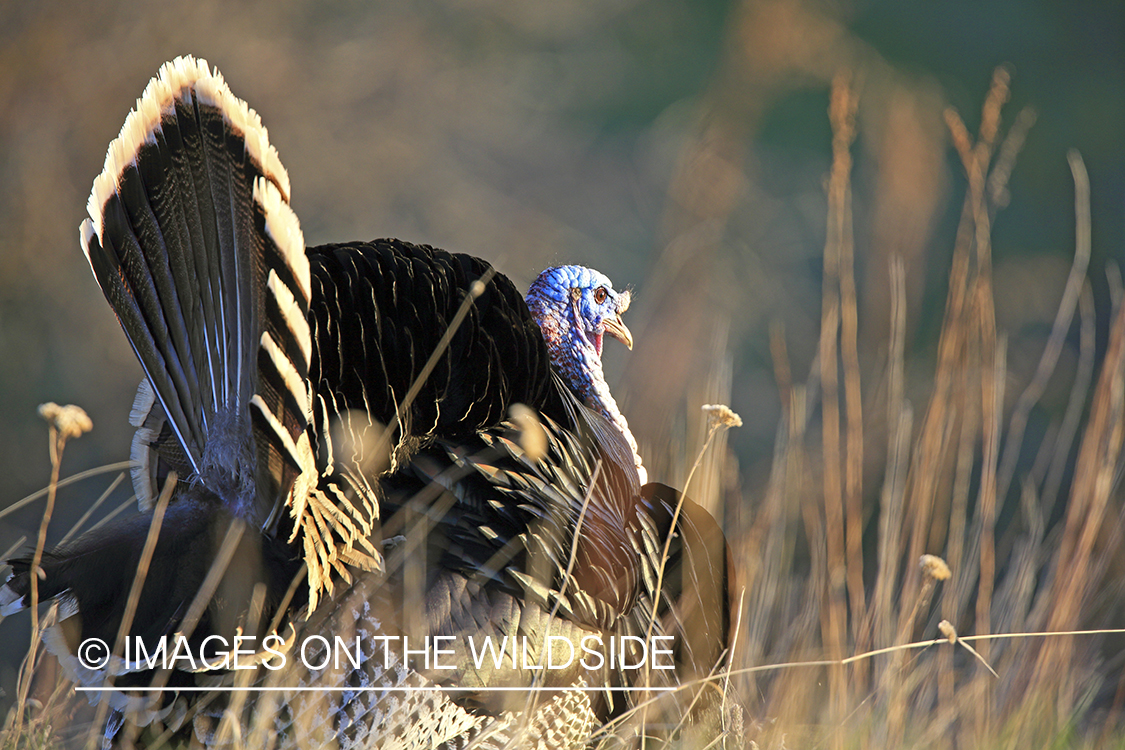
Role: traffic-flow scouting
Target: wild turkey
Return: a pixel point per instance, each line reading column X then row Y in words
column 332, row 427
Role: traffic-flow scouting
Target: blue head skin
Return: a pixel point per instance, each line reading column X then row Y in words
column 576, row 307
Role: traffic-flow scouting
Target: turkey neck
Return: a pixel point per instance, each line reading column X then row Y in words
column 578, row 359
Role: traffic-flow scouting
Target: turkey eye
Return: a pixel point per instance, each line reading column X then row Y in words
column 600, row 294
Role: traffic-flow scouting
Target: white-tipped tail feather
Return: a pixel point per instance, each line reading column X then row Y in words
column 176, row 82
column 285, row 231
column 187, row 219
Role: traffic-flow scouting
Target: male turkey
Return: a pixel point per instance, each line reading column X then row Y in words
column 328, row 433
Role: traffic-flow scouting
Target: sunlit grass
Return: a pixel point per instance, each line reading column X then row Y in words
column 848, row 633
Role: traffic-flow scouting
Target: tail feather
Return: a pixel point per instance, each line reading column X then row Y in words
column 92, row 576
column 193, row 242
column 143, row 296
column 694, row 599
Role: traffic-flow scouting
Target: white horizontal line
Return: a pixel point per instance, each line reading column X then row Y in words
column 388, row 689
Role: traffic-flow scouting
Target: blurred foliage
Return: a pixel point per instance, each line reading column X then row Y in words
column 680, row 147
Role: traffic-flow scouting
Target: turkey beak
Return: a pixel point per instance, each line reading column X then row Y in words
column 616, row 328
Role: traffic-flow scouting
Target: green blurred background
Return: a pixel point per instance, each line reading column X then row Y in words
column 680, row 147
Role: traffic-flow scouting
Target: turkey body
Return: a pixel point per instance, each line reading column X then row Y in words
column 325, row 455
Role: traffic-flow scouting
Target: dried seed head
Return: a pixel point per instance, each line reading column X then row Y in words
column 70, row 421
column 947, row 630
column 533, row 438
column 934, row 567
column 721, row 415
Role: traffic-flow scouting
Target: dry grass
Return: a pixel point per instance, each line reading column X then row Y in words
column 842, row 638
column 945, row 483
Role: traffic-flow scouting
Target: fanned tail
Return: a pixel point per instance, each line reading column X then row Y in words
column 193, row 242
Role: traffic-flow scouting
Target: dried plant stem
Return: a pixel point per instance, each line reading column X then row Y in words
column 1063, row 319
column 976, row 159
column 134, row 597
column 93, row 508
column 145, row 561
column 900, row 420
column 842, row 115
column 838, row 318
column 382, row 445
column 119, row 466
column 714, row 428
column 1098, row 459
column 930, row 449
column 1076, row 402
column 1094, row 476
column 56, row 443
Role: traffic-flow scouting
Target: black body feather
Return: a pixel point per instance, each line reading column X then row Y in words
column 378, row 313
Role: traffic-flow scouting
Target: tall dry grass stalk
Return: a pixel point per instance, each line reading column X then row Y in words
column 961, row 482
column 64, row 423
